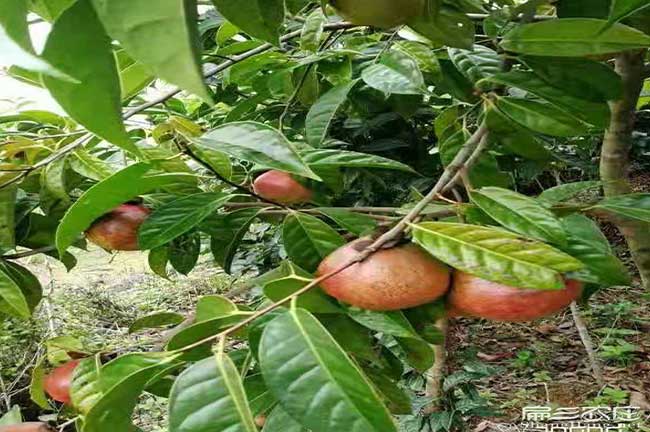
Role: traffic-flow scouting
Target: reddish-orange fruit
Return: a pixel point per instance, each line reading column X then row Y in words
column 57, row 383
column 27, row 427
column 280, row 187
column 260, row 420
column 118, row 230
column 476, row 297
column 391, row 279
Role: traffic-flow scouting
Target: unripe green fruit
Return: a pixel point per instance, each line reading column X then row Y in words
column 390, row 279
column 118, row 230
column 280, row 187
column 379, row 13
column 476, row 297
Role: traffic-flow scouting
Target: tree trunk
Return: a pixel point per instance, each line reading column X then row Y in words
column 436, row 375
column 614, row 162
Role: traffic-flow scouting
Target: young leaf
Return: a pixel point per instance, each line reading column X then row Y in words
column 122, row 381
column 589, row 245
column 15, row 43
column 322, row 112
column 594, row 113
column 495, row 255
column 174, row 56
column 20, row 291
column 541, row 117
column 308, row 240
column 315, row 381
column 633, row 206
column 261, row 19
column 178, row 217
column 622, row 9
column 156, row 320
column 104, row 197
column 519, row 213
column 258, row 143
column 226, row 232
column 210, row 396
column 567, row 191
column 213, row 306
column 573, row 37
column 7, row 218
column 356, row 223
column 397, row 73
column 95, row 100
column 328, row 158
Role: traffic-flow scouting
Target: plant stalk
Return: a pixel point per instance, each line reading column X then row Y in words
column 585, row 337
column 436, row 375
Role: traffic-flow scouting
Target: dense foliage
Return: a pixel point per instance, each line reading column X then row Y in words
column 449, row 131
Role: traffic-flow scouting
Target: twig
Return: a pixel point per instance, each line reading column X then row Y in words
column 588, row 344
column 235, row 59
column 436, row 374
column 28, row 253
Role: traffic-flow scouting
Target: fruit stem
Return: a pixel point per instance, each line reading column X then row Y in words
column 585, row 337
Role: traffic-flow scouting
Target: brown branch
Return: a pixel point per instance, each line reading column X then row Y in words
column 435, row 376
column 585, row 337
column 28, row 253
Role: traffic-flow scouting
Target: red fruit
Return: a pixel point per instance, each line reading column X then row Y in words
column 118, row 230
column 473, row 296
column 280, row 187
column 390, row 279
column 27, row 427
column 57, row 383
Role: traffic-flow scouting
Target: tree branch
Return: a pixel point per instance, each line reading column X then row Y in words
column 435, row 376
column 585, row 337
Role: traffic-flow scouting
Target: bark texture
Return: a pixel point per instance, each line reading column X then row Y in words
column 615, row 163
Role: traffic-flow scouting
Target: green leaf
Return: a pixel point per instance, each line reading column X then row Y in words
column 122, row 381
column 210, row 396
column 156, row 320
column 580, row 78
column 573, row 37
column 7, row 218
column 322, row 112
column 11, row 417
column 315, row 381
column 446, row 27
column 519, row 213
column 37, row 387
column 184, row 252
column 85, row 389
column 397, row 400
column 226, row 232
column 50, row 10
column 289, row 278
column 158, row 259
column 258, row 143
column 422, row 54
column 261, row 19
column 356, row 223
column 15, row 43
column 632, row 206
column 588, row 244
column 174, row 57
column 312, row 30
column 133, row 79
column 540, row 117
column 105, row 196
column 397, row 73
column 476, row 64
column 308, row 240
column 19, row 290
column 329, row 158
column 622, row 9
column 515, row 138
column 495, row 255
column 280, row 421
column 355, row 339
column 95, row 100
column 595, row 113
column 213, row 306
column 178, row 217
column 558, row 194
column 89, row 166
